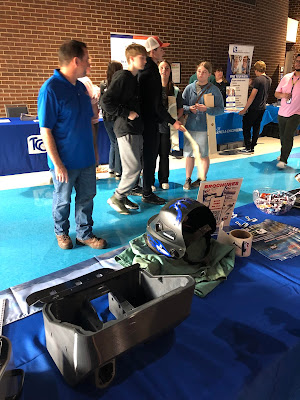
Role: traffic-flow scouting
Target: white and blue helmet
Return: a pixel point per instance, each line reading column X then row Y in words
column 179, row 222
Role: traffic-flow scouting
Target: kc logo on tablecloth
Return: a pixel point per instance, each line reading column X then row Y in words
column 35, row 144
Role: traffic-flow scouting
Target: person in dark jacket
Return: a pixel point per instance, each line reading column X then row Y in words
column 153, row 112
column 121, row 101
column 114, row 164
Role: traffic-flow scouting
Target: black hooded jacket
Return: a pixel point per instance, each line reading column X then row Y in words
column 151, row 94
column 120, row 98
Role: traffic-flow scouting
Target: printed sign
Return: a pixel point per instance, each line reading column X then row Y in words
column 238, row 71
column 220, row 197
column 176, row 72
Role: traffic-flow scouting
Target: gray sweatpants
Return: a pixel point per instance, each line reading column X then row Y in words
column 131, row 150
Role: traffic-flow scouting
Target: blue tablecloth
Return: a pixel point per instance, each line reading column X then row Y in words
column 18, row 138
column 229, row 126
column 240, row 342
column 22, row 149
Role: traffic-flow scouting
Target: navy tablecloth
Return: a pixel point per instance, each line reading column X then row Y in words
column 22, row 150
column 20, row 138
column 229, row 126
column 240, row 342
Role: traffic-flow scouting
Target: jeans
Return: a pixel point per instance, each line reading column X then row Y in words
column 287, row 129
column 114, row 160
column 84, row 182
column 252, row 119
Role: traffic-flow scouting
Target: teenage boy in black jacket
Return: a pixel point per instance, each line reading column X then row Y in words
column 153, row 112
column 121, row 101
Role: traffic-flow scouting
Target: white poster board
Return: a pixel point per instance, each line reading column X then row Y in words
column 119, row 42
column 220, row 197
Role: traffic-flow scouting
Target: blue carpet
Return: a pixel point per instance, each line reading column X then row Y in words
column 28, row 247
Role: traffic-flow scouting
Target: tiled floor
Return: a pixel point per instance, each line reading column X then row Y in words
column 28, row 247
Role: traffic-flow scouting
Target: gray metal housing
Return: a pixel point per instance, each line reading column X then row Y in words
column 144, row 306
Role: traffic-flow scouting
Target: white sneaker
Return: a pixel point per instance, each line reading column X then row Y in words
column 278, row 158
column 281, row 165
column 165, row 186
column 297, row 177
column 153, row 188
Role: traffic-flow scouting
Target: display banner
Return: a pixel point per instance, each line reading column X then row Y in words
column 238, row 71
column 119, row 42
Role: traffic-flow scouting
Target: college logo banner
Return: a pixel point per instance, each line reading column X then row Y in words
column 35, row 144
column 118, row 44
column 238, row 71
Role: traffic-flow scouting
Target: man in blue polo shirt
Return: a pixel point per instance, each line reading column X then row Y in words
column 65, row 112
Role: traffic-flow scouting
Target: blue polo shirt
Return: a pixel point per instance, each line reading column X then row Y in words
column 66, row 110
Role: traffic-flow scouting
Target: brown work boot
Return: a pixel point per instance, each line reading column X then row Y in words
column 64, row 241
column 93, row 242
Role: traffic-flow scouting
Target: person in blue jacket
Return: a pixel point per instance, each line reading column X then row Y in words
column 194, row 107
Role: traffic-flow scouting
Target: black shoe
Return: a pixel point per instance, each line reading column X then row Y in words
column 177, row 153
column 247, row 151
column 153, row 199
column 188, row 184
column 196, row 183
column 136, row 191
column 130, row 204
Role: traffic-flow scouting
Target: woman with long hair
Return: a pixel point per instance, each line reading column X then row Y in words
column 172, row 100
column 114, row 166
column 221, row 82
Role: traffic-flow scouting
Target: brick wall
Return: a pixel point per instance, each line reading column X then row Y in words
column 294, row 12
column 32, row 31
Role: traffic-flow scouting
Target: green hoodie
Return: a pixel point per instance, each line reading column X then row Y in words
column 219, row 263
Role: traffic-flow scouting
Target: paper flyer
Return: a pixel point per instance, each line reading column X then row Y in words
column 275, row 240
column 220, row 197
